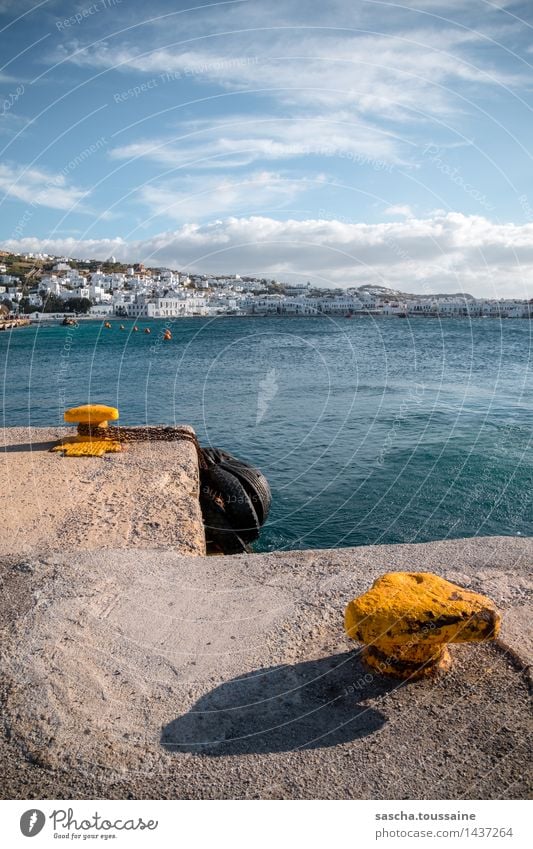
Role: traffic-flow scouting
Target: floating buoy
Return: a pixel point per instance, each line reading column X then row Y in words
column 147, row 330
column 167, row 335
column 106, row 324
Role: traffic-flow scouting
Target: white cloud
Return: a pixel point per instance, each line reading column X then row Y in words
column 445, row 252
column 405, row 75
column 200, row 197
column 346, row 88
column 38, row 187
column 399, row 209
column 240, row 140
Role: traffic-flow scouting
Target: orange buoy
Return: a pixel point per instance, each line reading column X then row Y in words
column 167, row 335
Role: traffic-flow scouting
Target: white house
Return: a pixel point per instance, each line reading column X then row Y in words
column 52, row 283
column 81, row 292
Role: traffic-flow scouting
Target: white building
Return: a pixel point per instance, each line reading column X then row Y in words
column 263, row 304
column 81, row 292
column 102, row 309
column 343, row 305
column 52, row 283
column 176, row 304
column 296, row 289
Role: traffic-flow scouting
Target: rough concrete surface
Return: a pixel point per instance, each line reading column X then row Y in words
column 144, row 497
column 146, row 674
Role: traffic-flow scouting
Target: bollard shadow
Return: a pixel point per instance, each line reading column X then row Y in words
column 310, row 705
column 20, row 447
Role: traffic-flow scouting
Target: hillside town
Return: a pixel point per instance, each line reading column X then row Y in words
column 39, row 286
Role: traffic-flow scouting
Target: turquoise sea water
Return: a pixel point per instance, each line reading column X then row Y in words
column 369, row 430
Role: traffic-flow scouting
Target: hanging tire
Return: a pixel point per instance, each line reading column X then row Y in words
column 237, row 503
column 219, row 532
column 235, row 499
column 254, row 482
column 256, row 485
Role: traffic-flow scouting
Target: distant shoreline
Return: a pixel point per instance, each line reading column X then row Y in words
column 57, row 319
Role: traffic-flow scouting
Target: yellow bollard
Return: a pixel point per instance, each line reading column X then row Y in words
column 96, row 415
column 407, row 619
column 87, row 445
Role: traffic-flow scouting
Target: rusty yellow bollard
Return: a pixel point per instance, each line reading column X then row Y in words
column 85, row 444
column 407, row 619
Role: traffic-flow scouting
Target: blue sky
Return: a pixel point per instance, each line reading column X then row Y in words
column 346, row 142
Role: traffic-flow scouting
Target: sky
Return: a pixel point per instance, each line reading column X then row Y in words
column 347, row 143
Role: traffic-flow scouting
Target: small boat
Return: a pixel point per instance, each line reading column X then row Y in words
column 122, row 327
column 107, row 324
column 167, row 336
column 147, row 330
column 135, row 329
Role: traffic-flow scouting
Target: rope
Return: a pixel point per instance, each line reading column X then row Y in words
column 151, row 433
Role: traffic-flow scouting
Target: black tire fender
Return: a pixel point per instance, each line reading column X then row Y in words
column 238, row 505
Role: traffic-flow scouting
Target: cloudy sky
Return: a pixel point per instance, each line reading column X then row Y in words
column 347, row 142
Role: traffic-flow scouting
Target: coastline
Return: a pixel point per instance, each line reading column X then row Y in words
column 170, row 320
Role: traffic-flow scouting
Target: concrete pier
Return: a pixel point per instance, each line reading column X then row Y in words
column 147, row 674
column 144, row 497
column 135, row 667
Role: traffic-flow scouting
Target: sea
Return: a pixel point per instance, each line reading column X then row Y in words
column 370, row 430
